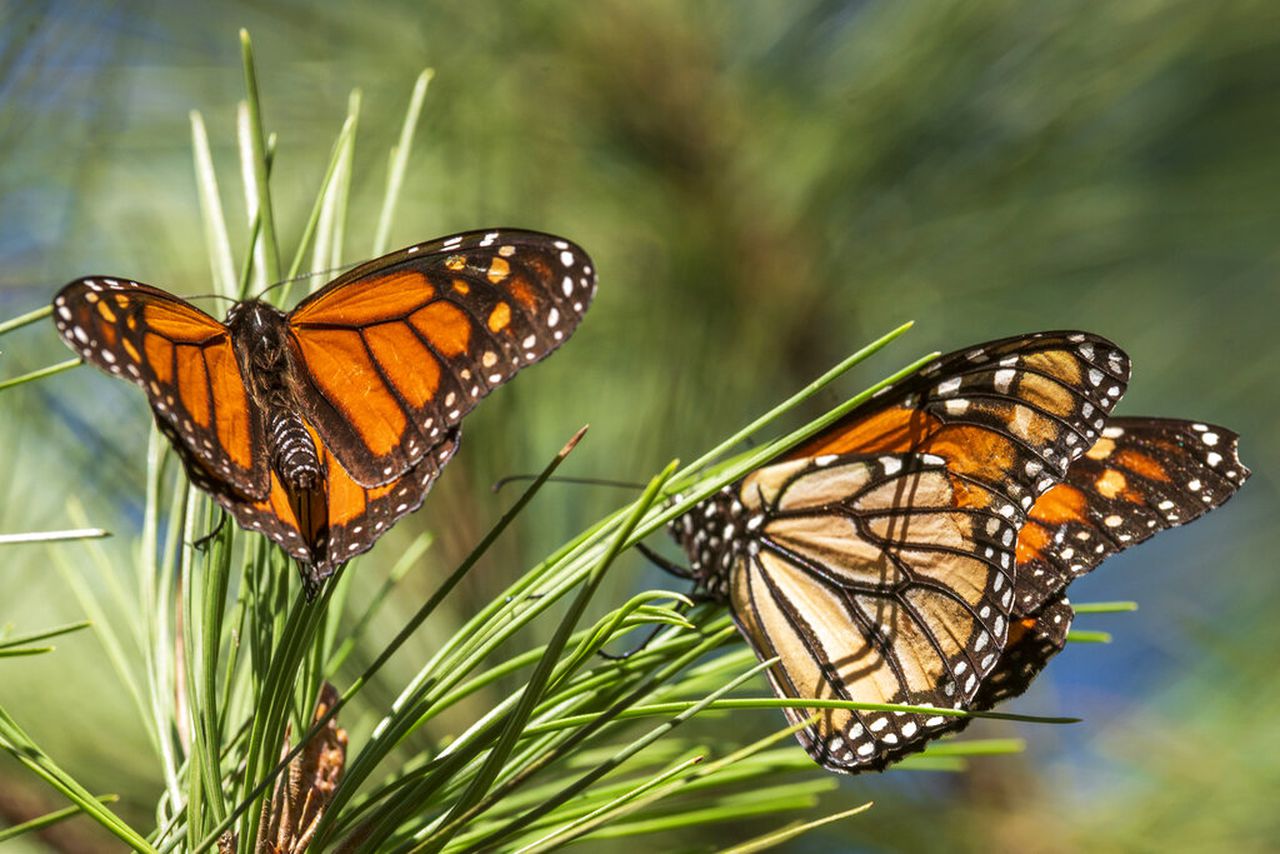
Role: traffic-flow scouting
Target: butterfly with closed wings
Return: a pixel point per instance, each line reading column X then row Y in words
column 917, row 551
column 322, row 427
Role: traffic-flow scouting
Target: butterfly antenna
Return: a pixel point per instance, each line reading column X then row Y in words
column 584, row 481
column 210, row 296
column 304, row 276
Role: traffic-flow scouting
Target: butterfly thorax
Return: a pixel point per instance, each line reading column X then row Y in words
column 714, row 535
column 260, row 336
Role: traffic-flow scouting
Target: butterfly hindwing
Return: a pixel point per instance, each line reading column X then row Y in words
column 328, row 527
column 398, row 350
column 873, row 581
column 183, row 359
column 1032, row 641
column 1141, row 476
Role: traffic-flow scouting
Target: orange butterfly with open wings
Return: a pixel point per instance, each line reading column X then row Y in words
column 323, row 426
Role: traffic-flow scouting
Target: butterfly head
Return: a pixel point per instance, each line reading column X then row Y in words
column 259, row 331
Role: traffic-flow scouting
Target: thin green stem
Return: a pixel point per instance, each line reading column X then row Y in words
column 399, row 162
column 53, row 536
column 42, row 373
column 26, row 319
column 258, row 142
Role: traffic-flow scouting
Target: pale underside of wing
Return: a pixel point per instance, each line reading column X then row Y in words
column 877, row 581
column 183, row 359
column 398, row 351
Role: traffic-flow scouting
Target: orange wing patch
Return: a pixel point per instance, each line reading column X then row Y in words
column 184, row 360
column 346, row 374
column 500, row 317
column 443, row 324
column 406, row 363
column 1142, row 476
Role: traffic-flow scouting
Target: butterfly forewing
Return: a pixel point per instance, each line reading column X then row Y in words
column 400, row 349
column 1010, row 414
column 871, row 580
column 1141, row 476
column 183, row 359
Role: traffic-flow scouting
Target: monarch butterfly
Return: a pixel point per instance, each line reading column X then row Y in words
column 322, row 427
column 916, row 552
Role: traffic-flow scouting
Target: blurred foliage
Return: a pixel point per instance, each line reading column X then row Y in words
column 763, row 187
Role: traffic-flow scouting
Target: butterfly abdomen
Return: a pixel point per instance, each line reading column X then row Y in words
column 260, row 335
column 293, row 453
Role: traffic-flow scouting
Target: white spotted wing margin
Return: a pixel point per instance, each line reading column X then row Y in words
column 876, row 580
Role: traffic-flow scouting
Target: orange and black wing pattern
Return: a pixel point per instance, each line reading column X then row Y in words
column 1144, row 475
column 877, row 559
column 1031, row 643
column 1141, row 476
column 1012, row 413
column 398, row 350
column 183, row 359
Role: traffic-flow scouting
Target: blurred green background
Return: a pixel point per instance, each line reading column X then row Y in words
column 764, row 187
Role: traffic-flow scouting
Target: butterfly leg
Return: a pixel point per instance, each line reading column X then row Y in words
column 662, row 563
column 202, row 544
column 640, row 647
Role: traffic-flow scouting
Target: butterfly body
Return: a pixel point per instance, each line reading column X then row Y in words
column 259, row 336
column 322, row 426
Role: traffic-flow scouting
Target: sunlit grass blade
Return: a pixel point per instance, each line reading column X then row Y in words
column 387, row 652
column 943, row 764
column 327, row 247
column 600, row 815
column 975, row 747
column 399, row 162
column 54, row 536
column 538, row 682
column 399, row 570
column 791, row 831
column 221, row 263
column 111, row 644
column 20, row 652
column 257, row 140
column 1082, row 636
column 41, row 373
column 49, row 819
column 614, row 761
column 659, row 709
column 325, row 196
column 794, row 400
column 1104, row 607
column 759, row 802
